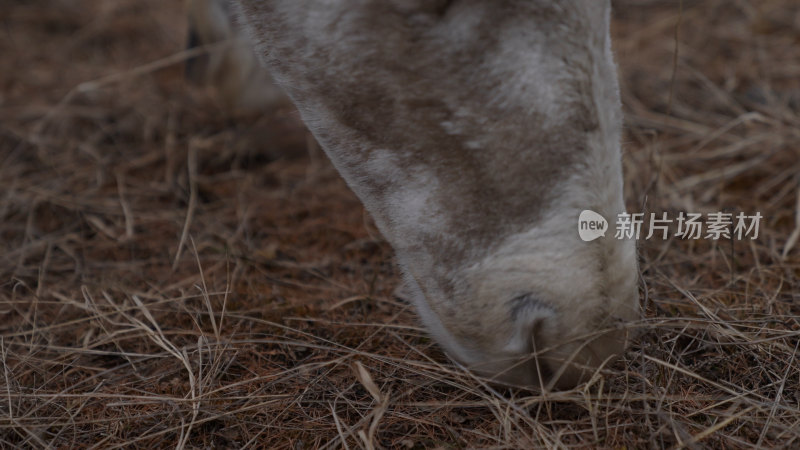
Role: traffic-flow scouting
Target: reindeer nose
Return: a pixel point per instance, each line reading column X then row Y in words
column 554, row 365
column 578, row 360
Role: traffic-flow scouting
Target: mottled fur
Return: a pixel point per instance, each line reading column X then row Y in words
column 475, row 132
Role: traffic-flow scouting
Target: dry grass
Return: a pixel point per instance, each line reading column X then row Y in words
column 174, row 276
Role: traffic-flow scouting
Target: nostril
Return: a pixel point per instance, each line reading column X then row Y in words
column 523, row 305
column 530, row 316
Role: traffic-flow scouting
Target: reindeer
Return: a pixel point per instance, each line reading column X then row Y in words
column 474, row 132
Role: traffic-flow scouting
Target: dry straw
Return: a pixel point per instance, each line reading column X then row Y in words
column 175, row 276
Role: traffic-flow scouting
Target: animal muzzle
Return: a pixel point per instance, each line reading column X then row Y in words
column 556, row 365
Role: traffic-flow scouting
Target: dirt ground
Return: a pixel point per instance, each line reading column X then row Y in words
column 172, row 274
